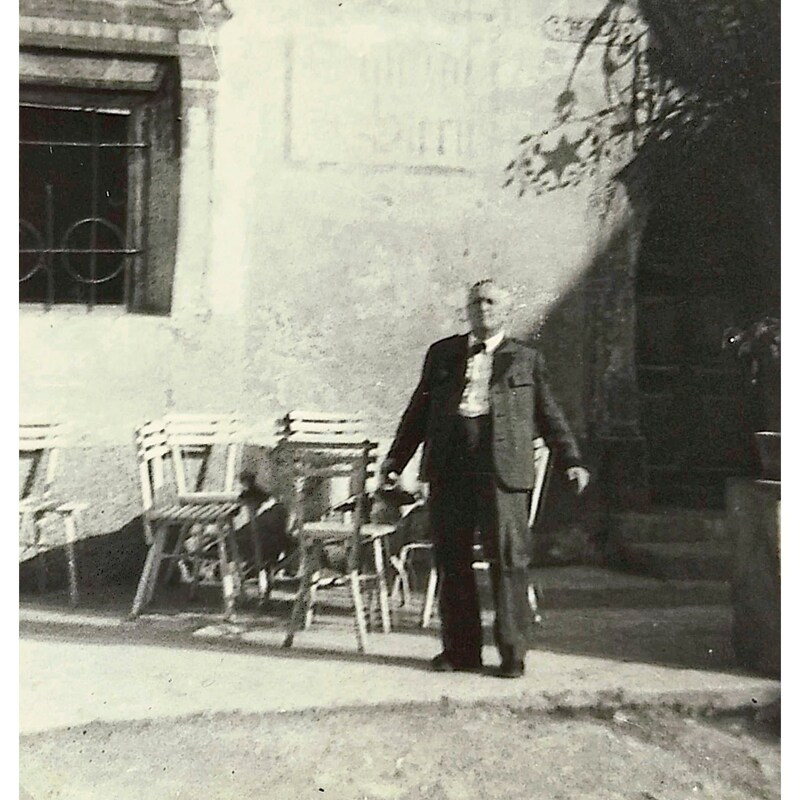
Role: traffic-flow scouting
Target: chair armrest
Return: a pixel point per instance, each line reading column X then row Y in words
column 416, row 546
column 332, row 530
column 326, row 530
column 377, row 530
column 39, row 504
column 67, row 508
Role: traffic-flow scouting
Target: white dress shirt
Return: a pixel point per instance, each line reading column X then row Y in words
column 475, row 398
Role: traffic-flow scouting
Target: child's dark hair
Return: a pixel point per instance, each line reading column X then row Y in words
column 251, row 490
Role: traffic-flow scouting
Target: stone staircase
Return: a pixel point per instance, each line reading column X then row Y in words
column 676, row 544
column 586, row 587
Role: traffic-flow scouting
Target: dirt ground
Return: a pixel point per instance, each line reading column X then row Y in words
column 432, row 753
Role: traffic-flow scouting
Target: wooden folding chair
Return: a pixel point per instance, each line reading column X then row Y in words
column 322, row 449
column 176, row 457
column 39, row 446
column 541, row 465
column 403, row 562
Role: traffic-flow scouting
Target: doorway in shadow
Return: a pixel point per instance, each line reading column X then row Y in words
column 703, row 266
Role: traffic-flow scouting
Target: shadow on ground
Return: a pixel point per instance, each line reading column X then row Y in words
column 696, row 637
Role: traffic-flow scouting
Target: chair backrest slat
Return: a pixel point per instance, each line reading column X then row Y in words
column 147, row 489
column 333, row 447
column 298, row 428
column 151, row 450
column 329, row 440
column 316, row 427
column 232, row 463
column 165, row 448
column 38, row 436
column 180, row 468
column 323, row 416
column 196, row 435
column 39, row 443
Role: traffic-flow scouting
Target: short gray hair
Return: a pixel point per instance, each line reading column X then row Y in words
column 473, row 290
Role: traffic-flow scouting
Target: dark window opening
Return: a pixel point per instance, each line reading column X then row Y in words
column 75, row 242
column 98, row 183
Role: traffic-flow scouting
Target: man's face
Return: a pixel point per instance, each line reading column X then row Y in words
column 487, row 307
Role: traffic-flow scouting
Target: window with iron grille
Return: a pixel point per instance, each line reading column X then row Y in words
column 98, row 181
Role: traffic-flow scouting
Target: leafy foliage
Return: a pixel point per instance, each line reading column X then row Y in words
column 758, row 344
column 675, row 73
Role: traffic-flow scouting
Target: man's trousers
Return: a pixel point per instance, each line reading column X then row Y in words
column 470, row 499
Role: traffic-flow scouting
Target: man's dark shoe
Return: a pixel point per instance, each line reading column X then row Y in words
column 442, row 663
column 511, row 669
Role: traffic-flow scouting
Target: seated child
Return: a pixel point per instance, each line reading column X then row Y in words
column 270, row 520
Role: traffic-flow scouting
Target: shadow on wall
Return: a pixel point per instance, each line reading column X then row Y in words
column 570, row 529
column 583, row 335
column 116, row 558
column 109, row 559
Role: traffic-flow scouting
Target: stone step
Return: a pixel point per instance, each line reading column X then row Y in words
column 596, row 587
column 589, row 587
column 710, row 561
column 669, row 525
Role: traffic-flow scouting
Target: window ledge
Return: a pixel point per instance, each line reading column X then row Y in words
column 68, row 310
column 172, row 13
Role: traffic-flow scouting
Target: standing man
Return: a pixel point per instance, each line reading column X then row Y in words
column 481, row 401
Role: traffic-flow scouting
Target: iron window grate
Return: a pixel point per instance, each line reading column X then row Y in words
column 80, row 224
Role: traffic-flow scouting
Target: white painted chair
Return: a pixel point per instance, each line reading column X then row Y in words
column 322, row 449
column 175, row 457
column 39, row 451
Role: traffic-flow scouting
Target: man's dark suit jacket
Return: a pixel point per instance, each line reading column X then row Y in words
column 522, row 406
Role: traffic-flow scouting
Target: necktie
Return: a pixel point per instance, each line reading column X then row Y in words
column 478, row 347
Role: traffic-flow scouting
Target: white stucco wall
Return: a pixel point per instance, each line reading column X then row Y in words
column 356, row 164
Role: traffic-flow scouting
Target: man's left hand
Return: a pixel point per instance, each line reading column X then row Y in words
column 580, row 475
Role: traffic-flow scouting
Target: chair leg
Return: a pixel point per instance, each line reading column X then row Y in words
column 153, row 580
column 300, row 599
column 226, row 573
column 358, row 605
column 430, row 598
column 41, row 558
column 311, row 600
column 27, row 533
column 264, row 584
column 316, row 563
column 173, row 559
column 533, row 602
column 70, row 527
column 41, row 571
column 196, row 560
column 405, row 582
column 383, row 592
column 398, row 592
column 261, row 567
column 235, row 555
column 371, row 606
column 147, row 581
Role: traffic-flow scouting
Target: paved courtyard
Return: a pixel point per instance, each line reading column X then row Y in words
column 99, row 691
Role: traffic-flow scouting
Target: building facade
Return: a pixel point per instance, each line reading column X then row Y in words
column 260, row 206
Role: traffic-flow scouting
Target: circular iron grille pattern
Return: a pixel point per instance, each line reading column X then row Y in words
column 93, row 251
